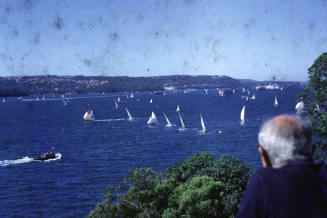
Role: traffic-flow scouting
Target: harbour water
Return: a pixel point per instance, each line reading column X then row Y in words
column 95, row 154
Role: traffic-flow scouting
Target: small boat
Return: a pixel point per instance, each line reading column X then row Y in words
column 275, row 102
column 152, row 120
column 233, row 91
column 242, row 116
column 204, row 129
column 182, row 123
column 151, row 101
column 132, row 95
column 3, row 100
column 37, row 99
column 177, row 109
column 118, row 99
column 168, row 122
column 206, row 91
column 89, row 115
column 253, row 97
column 299, row 106
column 129, row 115
column 65, row 103
column 46, row 156
column 116, row 105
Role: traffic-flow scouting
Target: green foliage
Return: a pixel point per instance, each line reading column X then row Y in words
column 200, row 186
column 315, row 93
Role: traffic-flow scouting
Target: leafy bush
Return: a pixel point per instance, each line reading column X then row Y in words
column 200, row 186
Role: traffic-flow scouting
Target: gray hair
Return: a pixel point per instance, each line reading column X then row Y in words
column 286, row 138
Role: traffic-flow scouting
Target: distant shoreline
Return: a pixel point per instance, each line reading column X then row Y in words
column 51, row 84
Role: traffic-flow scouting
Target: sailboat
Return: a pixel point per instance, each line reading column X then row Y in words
column 89, row 115
column 299, row 106
column 151, row 101
column 168, row 122
column 177, row 109
column 204, row 129
column 129, row 115
column 152, row 120
column 116, row 105
column 65, row 103
column 276, row 102
column 253, row 97
column 3, row 100
column 183, row 125
column 242, row 116
column 132, row 95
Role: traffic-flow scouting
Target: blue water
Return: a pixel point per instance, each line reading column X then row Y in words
column 98, row 154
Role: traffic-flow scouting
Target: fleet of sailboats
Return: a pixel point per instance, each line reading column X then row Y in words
column 89, row 115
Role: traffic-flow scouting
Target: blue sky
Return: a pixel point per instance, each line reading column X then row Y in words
column 242, row 39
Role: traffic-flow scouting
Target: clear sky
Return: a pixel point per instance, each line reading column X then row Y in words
column 238, row 38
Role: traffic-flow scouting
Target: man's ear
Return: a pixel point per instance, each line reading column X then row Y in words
column 264, row 157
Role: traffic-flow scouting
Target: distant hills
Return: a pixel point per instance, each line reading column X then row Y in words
column 50, row 84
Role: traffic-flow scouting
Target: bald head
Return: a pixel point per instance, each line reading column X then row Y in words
column 286, row 138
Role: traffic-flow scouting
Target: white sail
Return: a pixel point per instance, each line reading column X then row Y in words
column 129, row 114
column 89, row 115
column 3, row 100
column 183, row 125
column 177, row 109
column 151, row 101
column 168, row 122
column 299, row 106
column 242, row 116
column 132, row 95
column 152, row 120
column 253, row 97
column 116, row 105
column 233, row 91
column 204, row 129
column 276, row 102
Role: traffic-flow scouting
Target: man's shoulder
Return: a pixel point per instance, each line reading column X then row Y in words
column 291, row 171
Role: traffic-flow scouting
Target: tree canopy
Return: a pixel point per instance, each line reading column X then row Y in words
column 314, row 97
column 200, row 186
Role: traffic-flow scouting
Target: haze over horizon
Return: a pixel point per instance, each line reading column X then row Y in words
column 246, row 40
